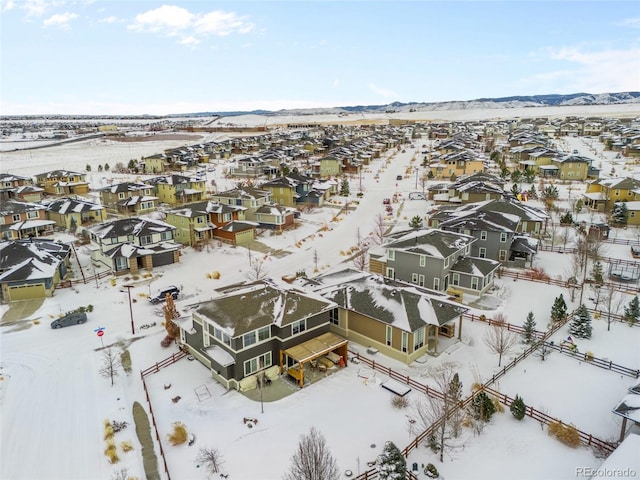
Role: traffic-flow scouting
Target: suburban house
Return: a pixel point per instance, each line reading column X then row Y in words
column 400, row 320
column 255, row 327
column 23, row 220
column 129, row 245
column 472, row 188
column 32, row 268
column 179, row 189
column 252, row 167
column 249, row 197
column 329, row 167
column 455, row 164
column 434, row 259
column 155, row 163
column 601, row 194
column 129, row 198
column 572, row 167
column 295, row 190
column 63, row 182
column 69, row 213
column 19, row 188
column 274, row 217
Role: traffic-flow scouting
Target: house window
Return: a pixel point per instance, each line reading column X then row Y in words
column 391, row 273
column 405, row 341
column 16, row 218
column 524, row 227
column 391, row 254
column 389, row 335
column 467, row 250
column 474, row 283
column 455, row 280
column 482, row 252
column 414, row 278
column 166, row 235
column 446, row 262
column 502, row 255
column 121, row 195
column 423, row 260
column 32, row 215
column 466, row 231
column 334, row 317
column 483, row 235
column 421, row 280
column 199, row 219
column 226, row 217
column 121, row 263
column 503, row 237
column 145, row 240
column 221, row 336
column 249, row 339
column 616, row 192
column 418, row 339
column 257, row 363
column 298, row 327
column 436, row 284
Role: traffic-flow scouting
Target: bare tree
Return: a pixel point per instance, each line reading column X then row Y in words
column 612, row 301
column 361, row 258
column 122, row 474
column 430, row 409
column 110, row 364
column 379, row 229
column 500, row 340
column 257, row 269
column 210, row 459
column 542, row 350
column 315, row 260
column 312, row 459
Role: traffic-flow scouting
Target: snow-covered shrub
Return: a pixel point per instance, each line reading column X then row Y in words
column 518, row 408
column 126, row 446
column 391, row 464
column 567, row 434
column 179, row 434
column 398, row 401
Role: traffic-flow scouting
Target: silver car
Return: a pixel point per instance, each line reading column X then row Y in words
column 73, row 318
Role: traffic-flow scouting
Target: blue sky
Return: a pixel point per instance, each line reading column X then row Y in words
column 148, row 57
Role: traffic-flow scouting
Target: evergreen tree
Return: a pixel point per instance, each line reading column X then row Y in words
column 391, row 464
column 632, row 311
column 106, row 167
column 577, row 207
column 344, row 187
column 529, row 175
column 596, row 273
column 532, row 193
column 455, row 389
column 416, row 222
column 515, row 189
column 516, row 175
column 566, row 219
column 529, row 329
column 73, row 225
column 518, row 408
column 559, row 309
column 483, row 407
column 88, row 167
column 580, row 325
column 620, row 213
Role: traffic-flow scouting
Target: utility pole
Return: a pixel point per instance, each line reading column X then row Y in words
column 129, row 287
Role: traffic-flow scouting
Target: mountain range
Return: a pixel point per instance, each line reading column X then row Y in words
column 480, row 103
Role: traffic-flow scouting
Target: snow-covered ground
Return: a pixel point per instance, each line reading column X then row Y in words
column 54, row 401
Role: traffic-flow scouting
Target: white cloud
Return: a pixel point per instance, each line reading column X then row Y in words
column 109, row 19
column 383, row 92
column 60, row 20
column 175, row 21
column 336, row 82
column 7, row 5
column 631, row 22
column 36, row 8
column 588, row 71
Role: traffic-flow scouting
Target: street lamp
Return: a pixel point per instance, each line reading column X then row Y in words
column 129, row 287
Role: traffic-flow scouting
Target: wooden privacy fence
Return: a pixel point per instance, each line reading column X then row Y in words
column 164, row 363
column 586, row 438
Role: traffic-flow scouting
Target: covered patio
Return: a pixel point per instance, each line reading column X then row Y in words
column 319, row 352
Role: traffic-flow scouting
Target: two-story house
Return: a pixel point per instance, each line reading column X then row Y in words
column 63, row 182
column 19, row 188
column 434, row 259
column 455, row 164
column 179, row 189
column 24, row 220
column 129, row 198
column 70, row 213
column 400, row 320
column 249, row 197
column 256, row 327
column 129, row 245
column 32, row 268
column 601, row 194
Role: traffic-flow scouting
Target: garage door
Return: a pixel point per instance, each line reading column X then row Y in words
column 26, row 292
column 163, row 259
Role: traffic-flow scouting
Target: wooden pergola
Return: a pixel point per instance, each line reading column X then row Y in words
column 310, row 350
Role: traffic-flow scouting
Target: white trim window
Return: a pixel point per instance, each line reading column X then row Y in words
column 503, row 237
column 418, row 339
column 502, row 255
column 405, row 341
column 482, row 252
column 391, row 273
column 423, row 260
column 483, row 235
column 436, row 283
column 455, row 279
column 414, row 278
column 474, row 283
column 249, row 339
column 257, row 363
column 391, row 255
column 298, row 327
column 389, row 335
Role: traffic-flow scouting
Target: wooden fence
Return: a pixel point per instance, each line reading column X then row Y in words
column 149, row 371
column 598, row 362
column 586, row 438
column 84, row 280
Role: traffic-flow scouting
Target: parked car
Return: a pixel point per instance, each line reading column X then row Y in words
column 416, row 196
column 68, row 319
column 161, row 295
column 399, row 177
column 386, row 201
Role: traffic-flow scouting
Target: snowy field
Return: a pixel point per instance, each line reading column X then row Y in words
column 54, row 400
